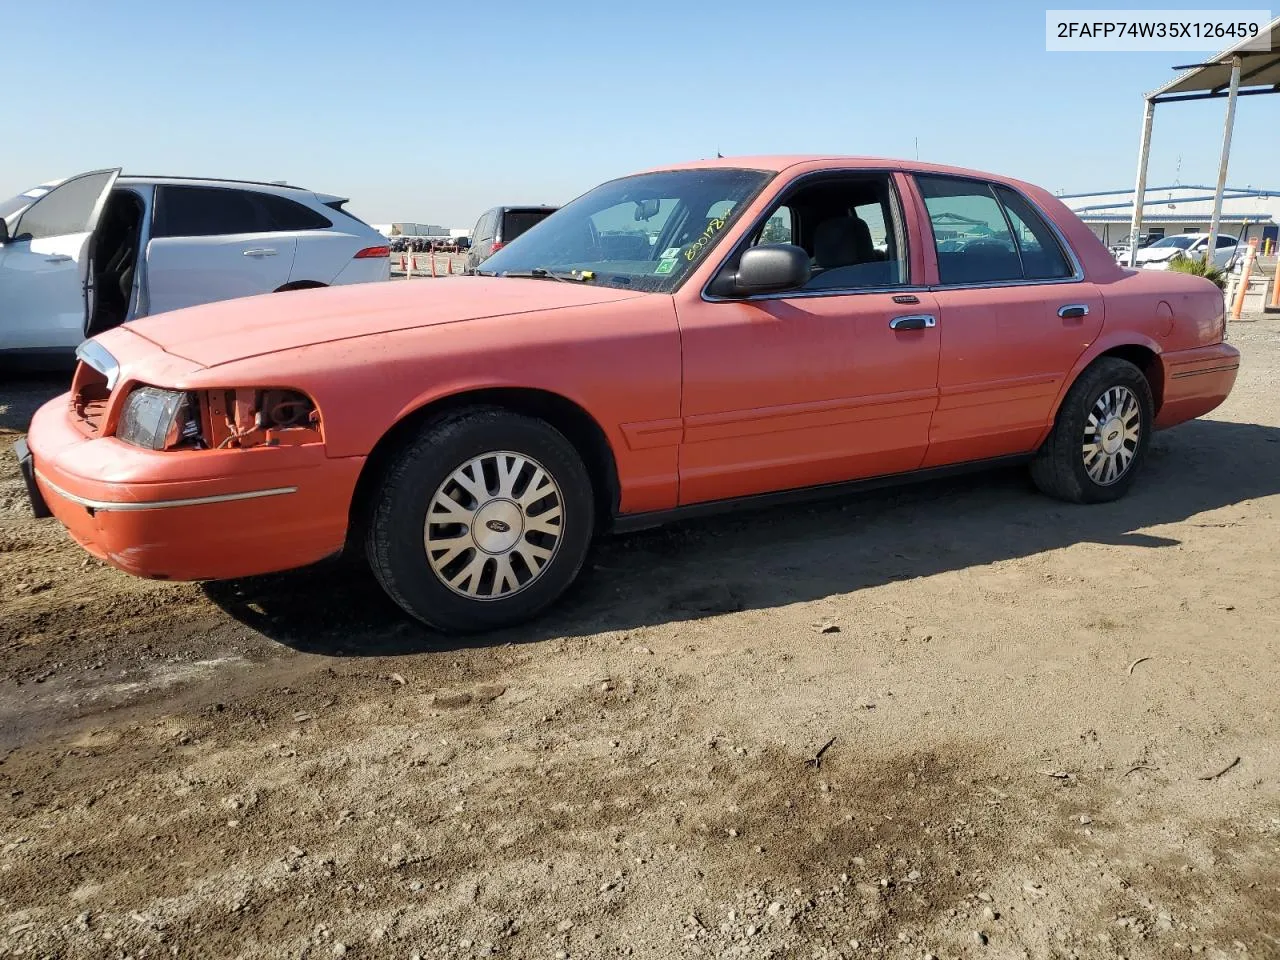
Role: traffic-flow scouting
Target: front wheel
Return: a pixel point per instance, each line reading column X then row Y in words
column 481, row 521
column 1100, row 438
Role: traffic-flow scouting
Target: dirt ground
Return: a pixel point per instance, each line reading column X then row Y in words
column 1050, row 731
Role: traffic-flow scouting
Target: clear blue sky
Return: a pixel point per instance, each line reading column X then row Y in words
column 433, row 111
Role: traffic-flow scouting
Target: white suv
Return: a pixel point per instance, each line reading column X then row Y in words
column 82, row 255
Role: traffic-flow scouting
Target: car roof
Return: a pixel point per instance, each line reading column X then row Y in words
column 776, row 163
column 200, row 181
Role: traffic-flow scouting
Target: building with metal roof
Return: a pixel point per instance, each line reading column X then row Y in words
column 1181, row 208
column 1246, row 69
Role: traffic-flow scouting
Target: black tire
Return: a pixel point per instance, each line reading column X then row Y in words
column 394, row 541
column 1059, row 467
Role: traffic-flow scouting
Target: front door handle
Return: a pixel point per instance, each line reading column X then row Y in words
column 1073, row 311
column 916, row 321
column 57, row 258
column 260, row 252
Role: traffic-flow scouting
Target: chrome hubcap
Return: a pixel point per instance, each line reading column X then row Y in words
column 1111, row 435
column 494, row 525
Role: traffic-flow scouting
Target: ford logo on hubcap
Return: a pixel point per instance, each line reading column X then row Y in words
column 498, row 526
column 1113, row 434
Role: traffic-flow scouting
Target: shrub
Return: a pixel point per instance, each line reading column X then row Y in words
column 1200, row 267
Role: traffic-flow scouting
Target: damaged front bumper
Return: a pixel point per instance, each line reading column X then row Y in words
column 188, row 515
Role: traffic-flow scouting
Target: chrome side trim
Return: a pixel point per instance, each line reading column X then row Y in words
column 1004, row 283
column 1196, row 373
column 801, row 294
column 126, row 505
column 93, row 354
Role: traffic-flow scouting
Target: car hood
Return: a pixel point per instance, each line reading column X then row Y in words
column 232, row 330
column 1153, row 254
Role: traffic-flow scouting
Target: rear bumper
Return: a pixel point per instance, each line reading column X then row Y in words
column 364, row 271
column 1196, row 381
column 190, row 515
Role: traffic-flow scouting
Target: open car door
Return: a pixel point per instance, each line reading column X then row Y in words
column 46, row 294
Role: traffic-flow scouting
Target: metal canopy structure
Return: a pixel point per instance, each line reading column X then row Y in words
column 1235, row 72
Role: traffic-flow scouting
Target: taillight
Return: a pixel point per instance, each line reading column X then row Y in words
column 373, row 253
column 497, row 245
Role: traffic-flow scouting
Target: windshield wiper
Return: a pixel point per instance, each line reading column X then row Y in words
column 543, row 273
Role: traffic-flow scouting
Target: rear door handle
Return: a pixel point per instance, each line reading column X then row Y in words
column 260, row 252
column 57, row 258
column 1073, row 311
column 915, row 321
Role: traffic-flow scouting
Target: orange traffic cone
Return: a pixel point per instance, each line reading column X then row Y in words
column 451, row 265
column 433, row 265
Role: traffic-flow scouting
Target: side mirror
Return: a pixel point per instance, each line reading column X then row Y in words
column 772, row 268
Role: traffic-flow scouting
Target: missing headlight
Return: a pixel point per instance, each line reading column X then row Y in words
column 254, row 418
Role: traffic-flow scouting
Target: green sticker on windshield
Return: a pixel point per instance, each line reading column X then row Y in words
column 666, row 265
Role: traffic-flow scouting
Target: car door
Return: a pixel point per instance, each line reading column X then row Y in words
column 323, row 248
column 1015, row 311
column 44, row 265
column 213, row 243
column 831, row 382
column 1227, row 250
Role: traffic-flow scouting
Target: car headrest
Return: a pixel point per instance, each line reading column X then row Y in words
column 842, row 241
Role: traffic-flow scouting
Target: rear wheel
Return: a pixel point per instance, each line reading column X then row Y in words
column 482, row 521
column 1100, row 438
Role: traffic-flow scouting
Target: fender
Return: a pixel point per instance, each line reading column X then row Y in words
column 1107, row 340
column 637, row 460
column 443, row 390
column 458, row 387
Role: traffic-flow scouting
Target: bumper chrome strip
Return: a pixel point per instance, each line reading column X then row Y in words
column 126, row 505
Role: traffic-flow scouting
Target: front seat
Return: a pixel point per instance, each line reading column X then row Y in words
column 843, row 251
column 842, row 242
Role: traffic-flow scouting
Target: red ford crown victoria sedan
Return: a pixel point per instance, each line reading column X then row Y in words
column 668, row 343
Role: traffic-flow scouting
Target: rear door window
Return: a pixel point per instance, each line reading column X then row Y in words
column 986, row 233
column 1042, row 256
column 207, row 212
column 285, row 215
column 974, row 242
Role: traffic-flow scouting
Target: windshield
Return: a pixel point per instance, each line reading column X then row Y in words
column 645, row 232
column 1182, row 243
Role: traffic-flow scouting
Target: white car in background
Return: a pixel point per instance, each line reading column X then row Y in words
column 1191, row 245
column 82, row 255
